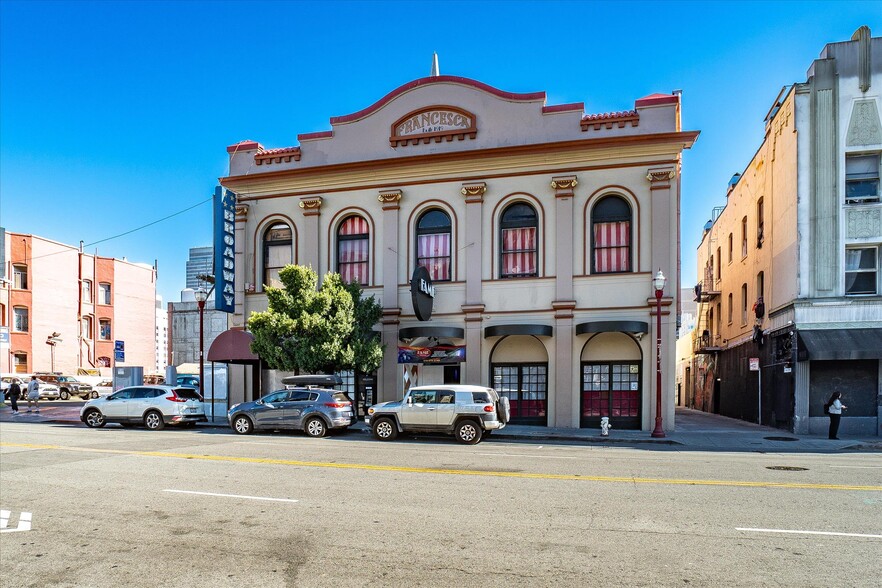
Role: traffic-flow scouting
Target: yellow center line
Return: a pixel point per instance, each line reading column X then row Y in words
column 453, row 472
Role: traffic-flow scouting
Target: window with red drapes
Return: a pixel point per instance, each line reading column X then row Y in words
column 519, row 227
column 433, row 244
column 353, row 254
column 611, row 236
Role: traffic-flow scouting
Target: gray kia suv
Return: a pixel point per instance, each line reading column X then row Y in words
column 312, row 410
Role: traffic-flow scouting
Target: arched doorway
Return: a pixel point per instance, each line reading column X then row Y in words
column 519, row 370
column 611, row 381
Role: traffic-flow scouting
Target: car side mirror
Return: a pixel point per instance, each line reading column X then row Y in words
column 409, row 401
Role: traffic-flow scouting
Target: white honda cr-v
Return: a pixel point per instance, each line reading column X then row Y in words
column 151, row 406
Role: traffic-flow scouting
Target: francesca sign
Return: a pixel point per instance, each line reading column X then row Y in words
column 224, row 249
column 422, row 293
column 433, row 123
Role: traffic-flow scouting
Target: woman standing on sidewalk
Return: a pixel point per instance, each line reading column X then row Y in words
column 835, row 408
column 34, row 394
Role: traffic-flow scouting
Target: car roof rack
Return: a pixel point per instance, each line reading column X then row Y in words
column 313, row 381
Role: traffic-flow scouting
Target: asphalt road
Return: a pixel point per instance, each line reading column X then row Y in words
column 114, row 507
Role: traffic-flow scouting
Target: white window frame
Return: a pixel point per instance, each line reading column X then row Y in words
column 863, row 176
column 874, row 270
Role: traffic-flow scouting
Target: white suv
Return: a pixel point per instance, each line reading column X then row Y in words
column 151, row 406
column 468, row 412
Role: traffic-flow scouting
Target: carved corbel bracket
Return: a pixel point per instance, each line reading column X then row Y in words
column 311, row 205
column 474, row 191
column 564, row 186
column 389, row 199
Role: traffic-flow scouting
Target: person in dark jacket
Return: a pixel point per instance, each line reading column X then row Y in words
column 14, row 393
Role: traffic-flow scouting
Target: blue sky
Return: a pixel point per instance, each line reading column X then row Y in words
column 117, row 114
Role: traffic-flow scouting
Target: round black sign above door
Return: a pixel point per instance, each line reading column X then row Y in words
column 422, row 292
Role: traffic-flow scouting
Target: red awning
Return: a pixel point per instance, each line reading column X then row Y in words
column 233, row 346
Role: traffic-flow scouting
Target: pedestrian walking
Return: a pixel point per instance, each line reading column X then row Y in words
column 835, row 408
column 34, row 394
column 14, row 393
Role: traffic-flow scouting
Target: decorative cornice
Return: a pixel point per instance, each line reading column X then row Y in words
column 269, row 156
column 564, row 185
column 474, row 191
column 660, row 174
column 472, row 308
column 311, row 205
column 610, row 119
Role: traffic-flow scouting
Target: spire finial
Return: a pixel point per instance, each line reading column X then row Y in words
column 435, row 71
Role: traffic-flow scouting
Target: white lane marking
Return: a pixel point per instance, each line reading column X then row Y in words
column 231, row 495
column 808, row 532
column 527, row 455
column 859, row 467
column 24, row 522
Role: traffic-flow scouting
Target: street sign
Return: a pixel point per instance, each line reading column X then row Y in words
column 119, row 355
column 119, row 350
column 4, row 336
column 754, row 364
column 787, row 369
column 119, row 345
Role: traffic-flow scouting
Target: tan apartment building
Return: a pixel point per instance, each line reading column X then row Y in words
column 65, row 309
column 539, row 229
column 790, row 267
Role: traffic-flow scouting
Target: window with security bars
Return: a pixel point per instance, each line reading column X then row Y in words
column 611, row 236
column 518, row 236
column 433, row 244
column 526, row 387
column 353, row 242
column 611, row 390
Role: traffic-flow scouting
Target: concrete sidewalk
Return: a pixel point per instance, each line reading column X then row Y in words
column 694, row 431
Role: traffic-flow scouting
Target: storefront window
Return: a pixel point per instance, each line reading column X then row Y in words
column 519, row 227
column 526, row 386
column 433, row 244
column 611, row 390
column 353, row 244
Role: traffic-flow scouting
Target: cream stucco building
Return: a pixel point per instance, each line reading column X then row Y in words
column 541, row 229
column 790, row 266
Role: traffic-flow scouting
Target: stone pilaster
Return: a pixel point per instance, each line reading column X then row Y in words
column 474, row 305
column 390, row 200
column 387, row 384
column 238, row 318
column 311, row 207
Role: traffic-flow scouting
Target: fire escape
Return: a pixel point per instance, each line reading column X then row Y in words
column 705, row 336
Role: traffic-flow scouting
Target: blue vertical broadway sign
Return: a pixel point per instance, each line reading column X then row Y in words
column 224, row 249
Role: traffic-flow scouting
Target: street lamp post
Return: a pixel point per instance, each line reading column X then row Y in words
column 201, row 296
column 658, row 282
column 53, row 340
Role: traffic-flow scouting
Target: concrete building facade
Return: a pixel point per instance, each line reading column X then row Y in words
column 65, row 308
column 539, row 228
column 790, row 267
column 199, row 263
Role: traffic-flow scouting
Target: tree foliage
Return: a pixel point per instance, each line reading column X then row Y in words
column 311, row 330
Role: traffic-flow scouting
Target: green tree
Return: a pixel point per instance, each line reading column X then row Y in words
column 312, row 329
column 305, row 328
column 365, row 342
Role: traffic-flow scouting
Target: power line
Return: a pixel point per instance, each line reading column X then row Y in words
column 150, row 224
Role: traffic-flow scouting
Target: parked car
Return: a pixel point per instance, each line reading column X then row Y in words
column 68, row 386
column 189, row 381
column 151, row 406
column 312, row 410
column 104, row 388
column 47, row 391
column 469, row 413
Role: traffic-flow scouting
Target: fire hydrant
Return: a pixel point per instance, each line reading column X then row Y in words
column 604, row 426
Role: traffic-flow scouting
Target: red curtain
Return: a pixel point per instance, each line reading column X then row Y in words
column 433, row 253
column 612, row 247
column 519, row 251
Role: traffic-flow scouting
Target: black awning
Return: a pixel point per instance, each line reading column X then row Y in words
column 612, row 327
column 842, row 343
column 504, row 330
column 437, row 332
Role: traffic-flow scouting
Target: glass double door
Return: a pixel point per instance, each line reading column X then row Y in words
column 611, row 389
column 526, row 386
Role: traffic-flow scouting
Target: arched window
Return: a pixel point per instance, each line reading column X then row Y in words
column 611, row 236
column 433, row 244
column 277, row 253
column 518, row 227
column 353, row 244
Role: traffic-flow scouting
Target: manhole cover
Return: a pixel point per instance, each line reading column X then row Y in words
column 781, row 438
column 787, row 468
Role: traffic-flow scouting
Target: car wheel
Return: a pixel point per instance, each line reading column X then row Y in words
column 64, row 395
column 384, row 430
column 468, row 432
column 93, row 394
column 243, row 425
column 94, row 419
column 316, row 427
column 153, row 421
